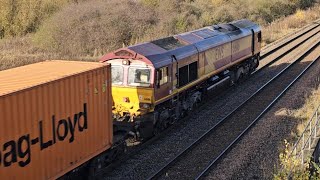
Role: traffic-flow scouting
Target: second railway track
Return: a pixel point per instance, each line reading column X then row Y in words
column 289, row 45
column 192, row 162
column 292, row 37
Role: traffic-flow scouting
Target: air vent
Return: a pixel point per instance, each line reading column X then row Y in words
column 124, row 53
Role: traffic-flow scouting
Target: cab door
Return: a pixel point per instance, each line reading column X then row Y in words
column 163, row 87
column 253, row 42
column 175, row 73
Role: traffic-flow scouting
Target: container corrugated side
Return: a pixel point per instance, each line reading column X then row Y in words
column 50, row 129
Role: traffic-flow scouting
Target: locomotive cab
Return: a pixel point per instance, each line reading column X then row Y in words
column 132, row 88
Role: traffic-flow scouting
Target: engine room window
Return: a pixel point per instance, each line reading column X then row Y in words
column 138, row 76
column 183, row 75
column 193, row 71
column 163, row 75
column 117, row 75
column 188, row 73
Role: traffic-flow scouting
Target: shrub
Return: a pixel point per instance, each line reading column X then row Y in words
column 151, row 3
column 19, row 17
column 80, row 29
column 95, row 27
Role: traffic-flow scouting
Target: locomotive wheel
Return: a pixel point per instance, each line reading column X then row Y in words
column 159, row 127
column 156, row 130
column 94, row 166
column 239, row 74
column 197, row 103
column 254, row 65
column 256, row 62
column 184, row 113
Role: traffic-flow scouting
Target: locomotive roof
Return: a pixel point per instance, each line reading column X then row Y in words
column 159, row 52
column 244, row 23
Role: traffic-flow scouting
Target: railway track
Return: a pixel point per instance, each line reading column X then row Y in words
column 218, row 140
column 279, row 49
column 254, row 156
column 286, row 40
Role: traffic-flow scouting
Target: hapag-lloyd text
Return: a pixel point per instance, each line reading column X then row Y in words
column 19, row 150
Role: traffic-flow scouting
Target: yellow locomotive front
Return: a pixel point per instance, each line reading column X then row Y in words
column 132, row 89
column 133, row 77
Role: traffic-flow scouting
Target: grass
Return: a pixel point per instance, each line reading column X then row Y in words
column 289, row 24
column 307, row 110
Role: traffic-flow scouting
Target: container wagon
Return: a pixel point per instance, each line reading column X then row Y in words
column 55, row 118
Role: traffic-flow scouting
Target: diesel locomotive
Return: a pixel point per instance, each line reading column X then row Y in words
column 155, row 83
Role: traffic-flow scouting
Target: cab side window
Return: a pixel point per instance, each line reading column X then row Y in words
column 162, row 75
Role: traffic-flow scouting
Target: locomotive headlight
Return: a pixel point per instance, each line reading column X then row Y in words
column 145, row 105
column 126, row 62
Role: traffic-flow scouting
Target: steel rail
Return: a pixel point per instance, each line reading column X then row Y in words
column 287, row 52
column 173, row 160
column 291, row 35
column 288, row 41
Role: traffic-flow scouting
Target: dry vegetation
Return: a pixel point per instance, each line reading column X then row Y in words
column 19, row 17
column 290, row 165
column 308, row 109
column 90, row 29
column 286, row 25
column 33, row 30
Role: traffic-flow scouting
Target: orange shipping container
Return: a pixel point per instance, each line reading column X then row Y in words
column 54, row 115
